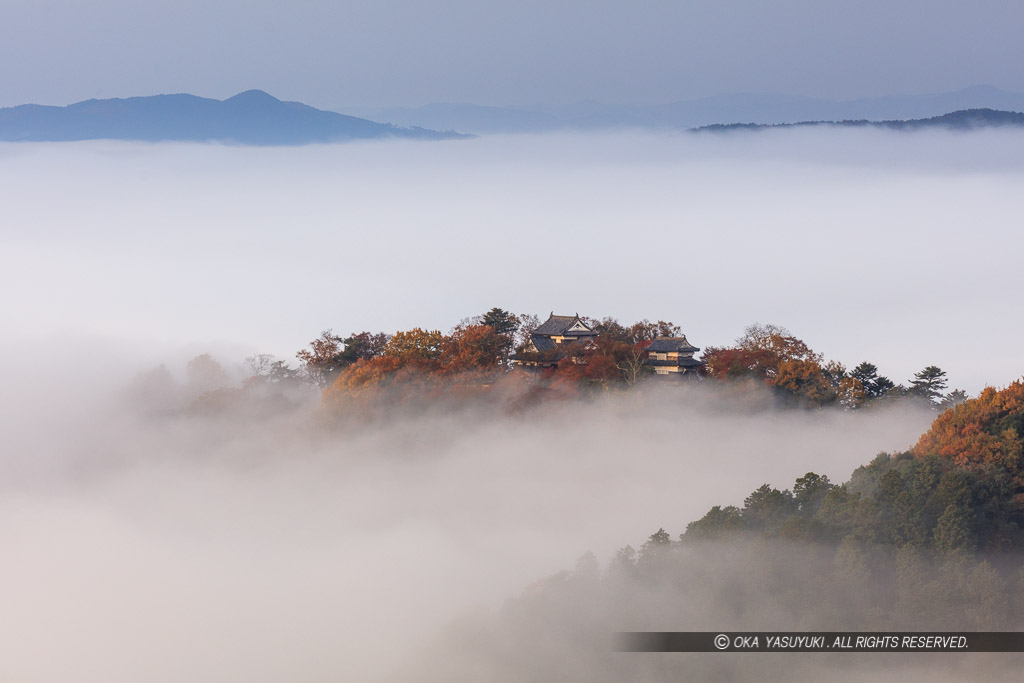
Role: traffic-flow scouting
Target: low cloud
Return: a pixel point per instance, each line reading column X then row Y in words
column 217, row 547
column 870, row 245
column 184, row 545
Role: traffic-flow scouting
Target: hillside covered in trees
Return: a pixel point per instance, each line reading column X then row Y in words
column 961, row 488
column 929, row 538
column 925, row 540
column 933, row 536
column 367, row 373
column 939, row 527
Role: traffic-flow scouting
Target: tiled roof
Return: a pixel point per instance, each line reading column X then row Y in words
column 548, row 350
column 542, row 343
column 671, row 344
column 557, row 325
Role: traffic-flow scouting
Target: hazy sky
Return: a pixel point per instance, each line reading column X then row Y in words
column 404, row 52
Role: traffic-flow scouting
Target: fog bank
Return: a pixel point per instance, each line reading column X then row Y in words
column 217, row 548
column 869, row 245
column 177, row 545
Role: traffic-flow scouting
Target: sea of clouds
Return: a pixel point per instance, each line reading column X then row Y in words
column 190, row 547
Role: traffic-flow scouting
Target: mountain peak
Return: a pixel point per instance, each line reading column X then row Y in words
column 252, row 97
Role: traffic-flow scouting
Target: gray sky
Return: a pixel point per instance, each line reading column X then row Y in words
column 402, row 52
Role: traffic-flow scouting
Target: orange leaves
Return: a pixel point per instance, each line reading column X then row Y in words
column 771, row 354
column 981, row 430
column 738, row 363
column 851, row 392
column 415, row 345
column 805, row 380
column 369, row 373
column 760, row 353
column 420, row 364
column 471, row 348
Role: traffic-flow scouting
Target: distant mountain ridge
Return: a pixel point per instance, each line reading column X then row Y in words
column 762, row 108
column 965, row 119
column 252, row 117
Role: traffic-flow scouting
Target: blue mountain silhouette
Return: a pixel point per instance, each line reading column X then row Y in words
column 964, row 119
column 251, row 118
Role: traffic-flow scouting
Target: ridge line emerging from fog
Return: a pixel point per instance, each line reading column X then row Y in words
column 964, row 119
column 252, row 117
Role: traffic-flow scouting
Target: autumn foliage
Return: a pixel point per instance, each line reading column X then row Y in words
column 773, row 356
column 759, row 354
column 980, row 431
column 420, row 366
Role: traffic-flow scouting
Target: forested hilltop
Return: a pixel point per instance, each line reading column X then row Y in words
column 488, row 360
column 931, row 537
column 960, row 489
column 925, row 540
column 960, row 120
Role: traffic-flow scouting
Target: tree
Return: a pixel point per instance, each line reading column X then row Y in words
column 953, row 531
column 835, row 372
column 587, row 568
column 323, row 360
column 364, row 374
column 984, row 596
column 929, row 384
column 850, row 393
column 631, row 364
column 363, row 345
column 259, row 364
column 979, row 431
column 733, row 363
column 778, row 340
column 623, row 565
column 875, row 385
column 645, row 331
column 472, row 348
column 767, row 508
column 810, row 490
column 883, row 385
column 805, row 382
column 415, row 345
column 204, row 374
column 591, row 365
column 502, row 322
column 506, row 326
column 653, row 552
column 953, row 399
column 610, row 329
column 717, row 522
column 639, row 332
column 264, row 368
column 758, row 354
column 527, row 324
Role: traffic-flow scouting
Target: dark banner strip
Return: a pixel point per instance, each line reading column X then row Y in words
column 818, row 641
